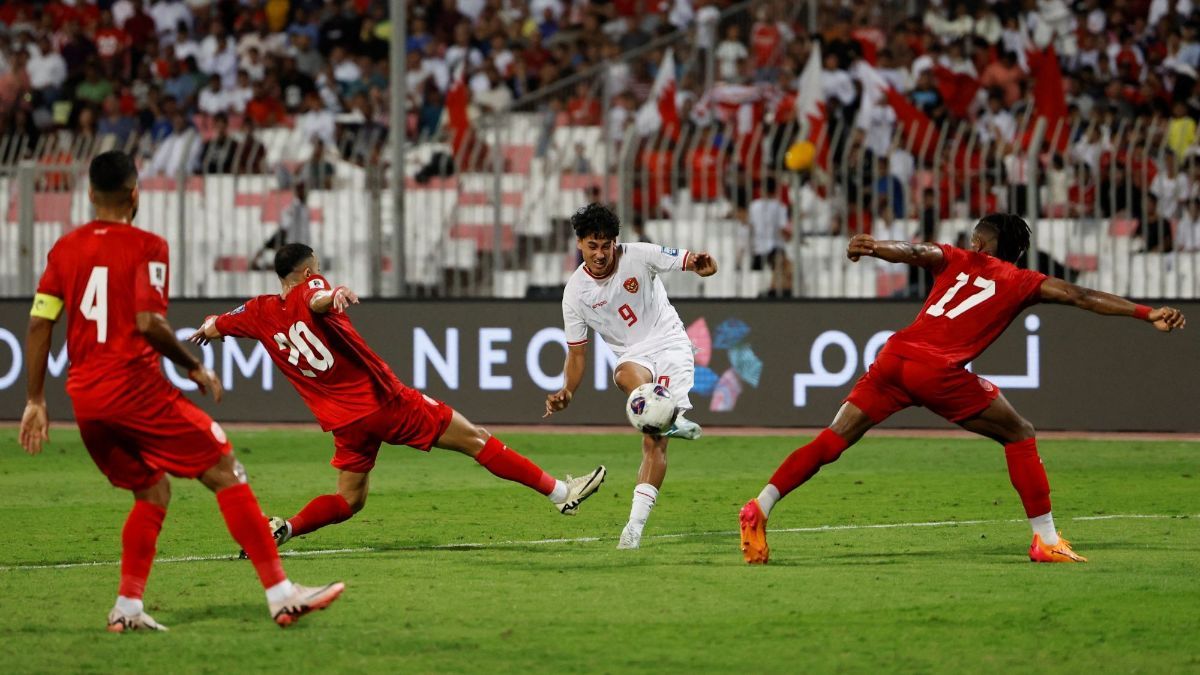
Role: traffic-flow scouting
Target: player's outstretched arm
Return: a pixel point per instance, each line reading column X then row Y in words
column 573, row 374
column 336, row 300
column 918, row 255
column 1061, row 292
column 158, row 332
column 35, row 422
column 701, row 263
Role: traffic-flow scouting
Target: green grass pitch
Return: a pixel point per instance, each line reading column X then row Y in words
column 948, row 597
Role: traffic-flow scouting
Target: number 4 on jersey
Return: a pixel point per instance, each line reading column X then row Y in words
column 94, row 305
column 987, row 290
column 300, row 340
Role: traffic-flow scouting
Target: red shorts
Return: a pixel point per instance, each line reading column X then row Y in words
column 894, row 383
column 172, row 436
column 411, row 418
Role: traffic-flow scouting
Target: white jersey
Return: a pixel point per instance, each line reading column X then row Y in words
column 628, row 307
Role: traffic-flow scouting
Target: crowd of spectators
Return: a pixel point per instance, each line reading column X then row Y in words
column 186, row 83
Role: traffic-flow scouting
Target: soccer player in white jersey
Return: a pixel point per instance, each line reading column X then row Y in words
column 618, row 293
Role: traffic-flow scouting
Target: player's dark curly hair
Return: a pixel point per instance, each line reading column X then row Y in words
column 1012, row 234
column 289, row 257
column 596, row 220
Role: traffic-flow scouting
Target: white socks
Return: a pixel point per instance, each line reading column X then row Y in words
column 767, row 499
column 130, row 606
column 559, row 494
column 1043, row 526
column 644, row 497
column 280, row 591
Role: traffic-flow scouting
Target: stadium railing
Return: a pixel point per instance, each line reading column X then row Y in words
column 492, row 218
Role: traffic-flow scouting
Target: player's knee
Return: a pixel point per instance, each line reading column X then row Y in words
column 356, row 500
column 1024, row 430
column 158, row 494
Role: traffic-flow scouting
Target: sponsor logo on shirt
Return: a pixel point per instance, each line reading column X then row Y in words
column 670, row 251
column 631, row 284
column 600, row 304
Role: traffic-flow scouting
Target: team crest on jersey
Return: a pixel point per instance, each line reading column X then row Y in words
column 670, row 251
column 317, row 283
column 631, row 284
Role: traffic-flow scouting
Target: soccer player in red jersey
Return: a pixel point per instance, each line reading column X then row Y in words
column 112, row 280
column 976, row 294
column 353, row 393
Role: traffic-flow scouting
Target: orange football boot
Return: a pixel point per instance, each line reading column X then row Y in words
column 754, row 534
column 1061, row 552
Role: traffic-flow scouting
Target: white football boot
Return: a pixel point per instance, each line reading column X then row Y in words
column 281, row 531
column 579, row 489
column 685, row 429
column 304, row 600
column 631, row 538
column 120, row 622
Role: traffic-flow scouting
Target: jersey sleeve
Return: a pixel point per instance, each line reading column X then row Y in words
column 574, row 326
column 241, row 321
column 151, row 280
column 48, row 302
column 1029, row 284
column 951, row 256
column 313, row 286
column 659, row 259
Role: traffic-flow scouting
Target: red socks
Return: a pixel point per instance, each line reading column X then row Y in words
column 322, row 511
column 511, row 465
column 804, row 462
column 138, row 540
column 245, row 521
column 1028, row 476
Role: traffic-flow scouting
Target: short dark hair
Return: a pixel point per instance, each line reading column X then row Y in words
column 289, row 257
column 1012, row 234
column 596, row 220
column 113, row 176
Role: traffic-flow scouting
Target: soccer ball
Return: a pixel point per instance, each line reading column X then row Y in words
column 650, row 409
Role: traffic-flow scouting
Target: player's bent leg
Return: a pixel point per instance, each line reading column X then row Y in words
column 1003, row 424
column 847, row 428
column 629, row 376
column 504, row 462
column 350, row 498
column 139, row 540
column 243, row 517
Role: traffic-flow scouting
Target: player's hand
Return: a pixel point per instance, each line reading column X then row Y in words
column 1167, row 319
column 343, row 297
column 207, row 380
column 200, row 337
column 35, row 427
column 704, row 264
column 860, row 245
column 557, row 401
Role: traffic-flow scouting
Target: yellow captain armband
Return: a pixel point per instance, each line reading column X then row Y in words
column 46, row 307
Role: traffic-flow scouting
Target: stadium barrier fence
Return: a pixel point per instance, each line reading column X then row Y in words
column 758, row 363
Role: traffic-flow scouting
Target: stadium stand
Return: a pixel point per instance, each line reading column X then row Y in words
column 922, row 116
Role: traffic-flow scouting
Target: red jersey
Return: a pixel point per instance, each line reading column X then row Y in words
column 974, row 298
column 105, row 273
column 339, row 377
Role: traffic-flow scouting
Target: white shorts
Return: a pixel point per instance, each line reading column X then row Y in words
column 672, row 365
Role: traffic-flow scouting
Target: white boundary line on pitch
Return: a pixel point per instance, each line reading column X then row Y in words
column 586, row 540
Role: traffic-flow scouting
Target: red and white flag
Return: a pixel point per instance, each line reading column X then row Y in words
column 661, row 112
column 810, row 105
column 919, row 133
